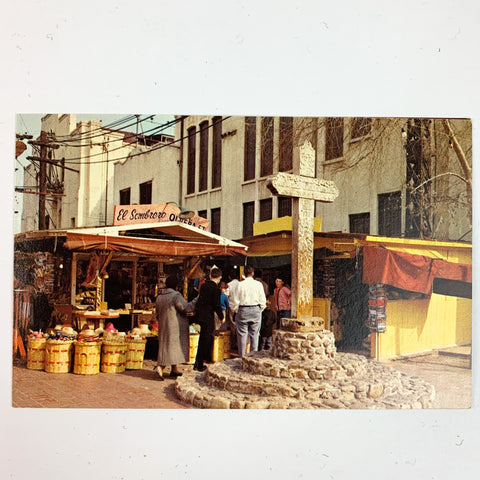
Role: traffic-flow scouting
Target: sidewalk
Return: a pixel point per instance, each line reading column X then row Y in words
column 449, row 371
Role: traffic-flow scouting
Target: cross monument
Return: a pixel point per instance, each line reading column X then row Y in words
column 304, row 189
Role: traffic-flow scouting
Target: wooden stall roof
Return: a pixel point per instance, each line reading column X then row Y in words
column 168, row 238
column 165, row 239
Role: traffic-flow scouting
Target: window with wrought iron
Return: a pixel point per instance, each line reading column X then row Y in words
column 286, row 144
column 217, row 152
column 248, row 218
column 203, row 157
column 125, row 196
column 265, row 209
column 284, row 207
column 250, row 147
column 191, row 152
column 215, row 221
column 267, row 147
column 333, row 138
column 146, row 193
column 360, row 223
column 390, row 214
column 361, row 126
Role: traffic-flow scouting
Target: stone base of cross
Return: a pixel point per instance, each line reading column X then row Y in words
column 304, row 189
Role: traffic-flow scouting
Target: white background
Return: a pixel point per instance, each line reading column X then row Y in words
column 375, row 58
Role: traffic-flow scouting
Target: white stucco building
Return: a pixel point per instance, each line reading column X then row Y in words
column 397, row 177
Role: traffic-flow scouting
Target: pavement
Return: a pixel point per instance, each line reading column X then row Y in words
column 449, row 370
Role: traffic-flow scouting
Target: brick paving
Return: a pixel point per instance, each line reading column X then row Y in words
column 130, row 389
column 449, row 371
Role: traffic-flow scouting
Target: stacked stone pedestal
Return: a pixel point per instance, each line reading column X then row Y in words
column 303, row 370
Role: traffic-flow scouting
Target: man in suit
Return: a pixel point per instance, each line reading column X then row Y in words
column 208, row 304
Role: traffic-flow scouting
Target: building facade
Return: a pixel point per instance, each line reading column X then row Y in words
column 397, row 177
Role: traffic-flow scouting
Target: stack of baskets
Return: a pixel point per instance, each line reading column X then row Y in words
column 87, row 357
column 58, row 355
column 113, row 355
column 36, row 353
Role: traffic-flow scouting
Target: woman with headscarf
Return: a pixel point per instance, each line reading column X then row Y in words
column 173, row 330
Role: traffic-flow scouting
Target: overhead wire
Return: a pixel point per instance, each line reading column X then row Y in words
column 99, row 132
column 73, row 161
column 156, row 129
column 114, row 124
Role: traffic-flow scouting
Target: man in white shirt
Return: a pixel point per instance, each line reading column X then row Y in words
column 248, row 303
column 231, row 294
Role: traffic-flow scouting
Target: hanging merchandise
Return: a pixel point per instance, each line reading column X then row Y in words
column 44, row 272
column 377, row 304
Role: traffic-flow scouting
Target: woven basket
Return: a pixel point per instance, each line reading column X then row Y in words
column 134, row 354
column 221, row 346
column 36, row 353
column 86, row 359
column 193, row 344
column 113, row 357
column 58, row 356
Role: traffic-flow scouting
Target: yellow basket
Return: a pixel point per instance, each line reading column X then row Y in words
column 36, row 353
column 134, row 354
column 113, row 357
column 58, row 356
column 221, row 346
column 193, row 346
column 86, row 359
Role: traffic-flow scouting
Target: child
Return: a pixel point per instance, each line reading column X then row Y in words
column 266, row 330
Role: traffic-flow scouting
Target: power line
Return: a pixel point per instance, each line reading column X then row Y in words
column 73, row 160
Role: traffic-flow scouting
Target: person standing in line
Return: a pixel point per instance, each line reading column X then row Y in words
column 283, row 298
column 266, row 330
column 249, row 303
column 208, row 303
column 232, row 287
column 258, row 278
column 173, row 336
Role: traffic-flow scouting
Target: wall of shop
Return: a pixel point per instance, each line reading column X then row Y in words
column 415, row 326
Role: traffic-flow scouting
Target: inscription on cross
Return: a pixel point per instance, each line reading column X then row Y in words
column 304, row 189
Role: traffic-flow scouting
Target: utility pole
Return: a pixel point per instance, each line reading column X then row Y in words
column 44, row 145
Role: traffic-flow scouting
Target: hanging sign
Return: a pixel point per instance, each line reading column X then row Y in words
column 153, row 213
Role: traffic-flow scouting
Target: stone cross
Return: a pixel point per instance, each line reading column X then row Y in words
column 304, row 189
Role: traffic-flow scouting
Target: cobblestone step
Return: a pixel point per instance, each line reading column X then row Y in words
column 227, row 385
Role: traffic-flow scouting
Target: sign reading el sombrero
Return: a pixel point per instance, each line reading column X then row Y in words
column 158, row 212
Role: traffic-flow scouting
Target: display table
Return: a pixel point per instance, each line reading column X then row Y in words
column 137, row 317
column 95, row 317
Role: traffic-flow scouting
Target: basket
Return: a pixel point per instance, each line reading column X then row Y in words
column 58, row 356
column 86, row 359
column 193, row 346
column 221, row 346
column 36, row 353
column 134, row 354
column 113, row 357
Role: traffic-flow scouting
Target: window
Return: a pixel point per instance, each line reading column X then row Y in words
column 248, row 218
column 125, row 196
column 215, row 223
column 202, row 213
column 333, row 138
column 250, row 145
column 146, row 193
column 267, row 147
column 191, row 160
column 284, row 207
column 203, row 160
column 265, row 209
column 286, row 144
column 217, row 152
column 360, row 223
column 361, row 127
column 390, row 214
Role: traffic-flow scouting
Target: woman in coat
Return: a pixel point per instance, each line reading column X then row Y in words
column 173, row 331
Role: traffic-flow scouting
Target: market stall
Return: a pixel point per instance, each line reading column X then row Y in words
column 114, row 272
